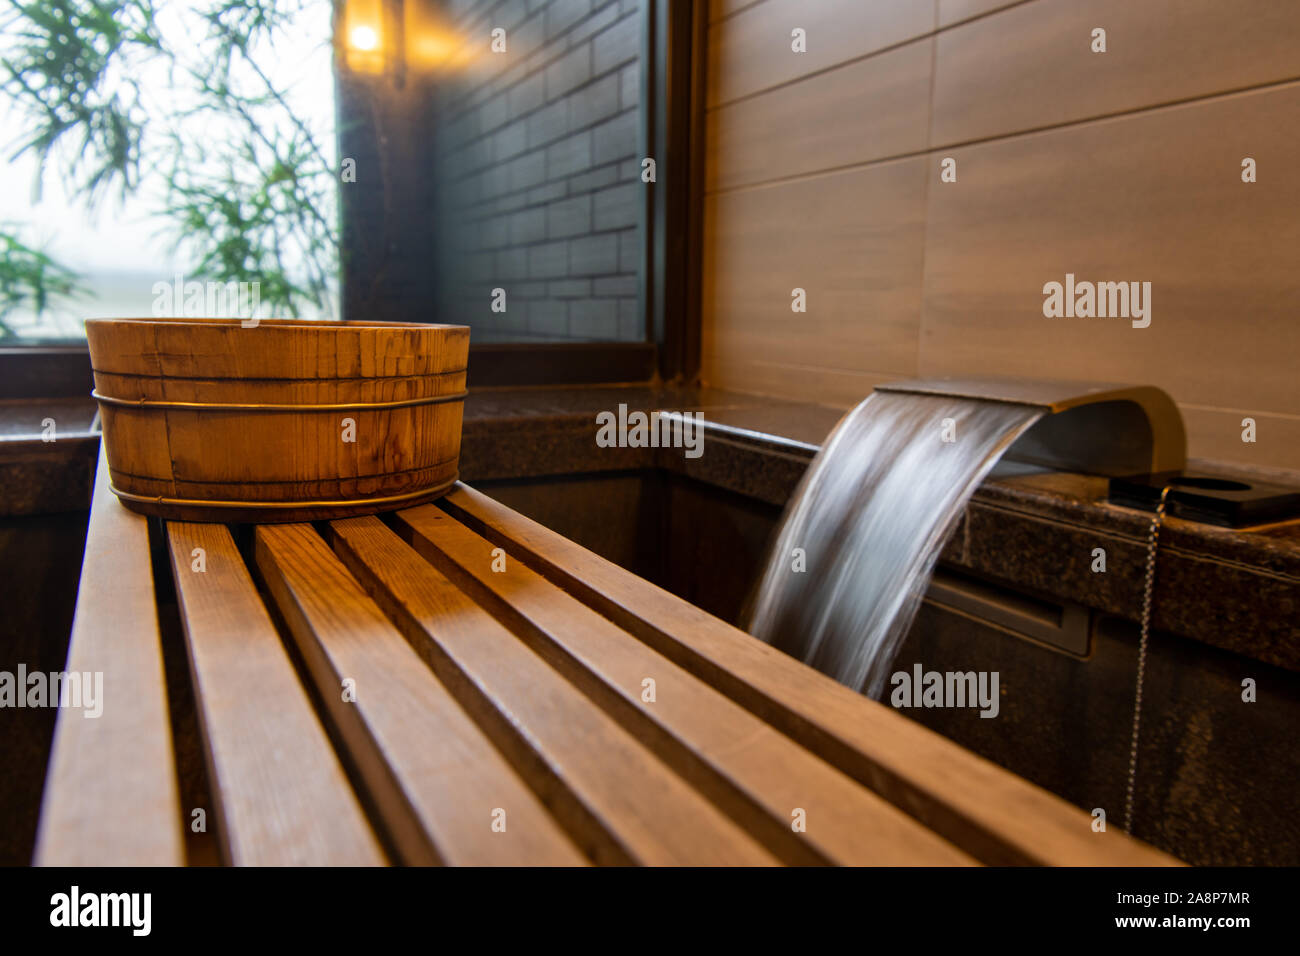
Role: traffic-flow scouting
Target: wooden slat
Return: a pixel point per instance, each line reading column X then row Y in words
column 111, row 793
column 757, row 775
column 1032, row 65
column 619, row 802
column 435, row 777
column 281, row 794
column 989, row 812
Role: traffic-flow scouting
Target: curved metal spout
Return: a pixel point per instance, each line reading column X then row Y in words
column 1090, row 427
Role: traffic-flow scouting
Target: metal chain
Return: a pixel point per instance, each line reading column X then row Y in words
column 1153, row 538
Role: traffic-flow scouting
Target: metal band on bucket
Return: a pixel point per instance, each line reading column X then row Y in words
column 260, row 407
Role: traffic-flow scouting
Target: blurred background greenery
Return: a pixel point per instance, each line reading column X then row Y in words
column 193, row 137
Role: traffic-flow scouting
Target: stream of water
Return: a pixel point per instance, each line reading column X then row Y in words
column 862, row 534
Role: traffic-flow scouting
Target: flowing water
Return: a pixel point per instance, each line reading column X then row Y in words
column 871, row 516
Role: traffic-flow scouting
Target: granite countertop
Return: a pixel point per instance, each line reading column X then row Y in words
column 1237, row 589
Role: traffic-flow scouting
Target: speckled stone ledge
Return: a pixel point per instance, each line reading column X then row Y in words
column 1238, row 590
column 1234, row 589
column 40, row 476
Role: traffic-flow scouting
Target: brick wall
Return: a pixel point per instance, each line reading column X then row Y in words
column 537, row 172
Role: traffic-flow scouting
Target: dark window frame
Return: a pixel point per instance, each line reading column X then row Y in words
column 672, row 132
column 673, row 60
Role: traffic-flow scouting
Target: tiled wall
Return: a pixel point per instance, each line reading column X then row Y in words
column 538, row 187
column 824, row 173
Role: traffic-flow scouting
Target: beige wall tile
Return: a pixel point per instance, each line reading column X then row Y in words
column 836, row 387
column 866, row 110
column 1153, row 197
column 955, row 11
column 1031, row 66
column 851, row 240
column 1216, row 434
column 751, row 50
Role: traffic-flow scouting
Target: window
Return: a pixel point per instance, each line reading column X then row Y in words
column 374, row 159
column 538, row 166
column 166, row 159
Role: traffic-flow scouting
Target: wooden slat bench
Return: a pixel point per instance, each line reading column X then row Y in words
column 457, row 684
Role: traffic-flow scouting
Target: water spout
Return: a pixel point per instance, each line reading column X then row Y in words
column 865, row 528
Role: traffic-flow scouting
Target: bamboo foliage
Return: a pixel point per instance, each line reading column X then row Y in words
column 241, row 183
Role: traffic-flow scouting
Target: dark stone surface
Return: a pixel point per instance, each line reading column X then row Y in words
column 40, row 559
column 1215, row 781
column 715, row 546
column 618, row 515
column 1234, row 589
column 47, row 477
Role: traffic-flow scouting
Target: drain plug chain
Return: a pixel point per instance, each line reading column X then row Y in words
column 1153, row 538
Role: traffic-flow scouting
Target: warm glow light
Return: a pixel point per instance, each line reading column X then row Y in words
column 418, row 44
column 363, row 38
column 430, row 49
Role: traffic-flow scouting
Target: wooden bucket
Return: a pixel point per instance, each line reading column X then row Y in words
column 288, row 420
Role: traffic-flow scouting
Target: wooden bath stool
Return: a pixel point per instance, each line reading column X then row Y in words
column 456, row 684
